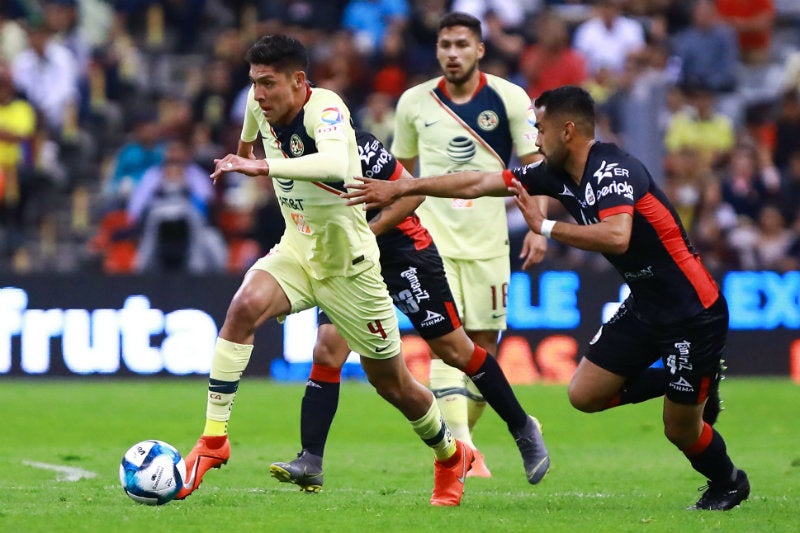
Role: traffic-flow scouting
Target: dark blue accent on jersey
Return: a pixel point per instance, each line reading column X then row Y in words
column 666, row 278
column 378, row 163
column 222, row 387
column 486, row 99
column 284, row 134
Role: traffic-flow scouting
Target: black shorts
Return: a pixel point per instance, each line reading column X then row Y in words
column 418, row 286
column 691, row 350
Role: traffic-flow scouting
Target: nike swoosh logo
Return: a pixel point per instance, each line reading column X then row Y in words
column 189, row 482
column 463, row 475
column 498, row 315
column 381, row 348
column 431, row 123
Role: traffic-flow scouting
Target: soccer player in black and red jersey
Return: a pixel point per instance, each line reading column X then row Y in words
column 415, row 276
column 675, row 312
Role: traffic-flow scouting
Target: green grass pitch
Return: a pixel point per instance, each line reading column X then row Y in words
column 611, row 471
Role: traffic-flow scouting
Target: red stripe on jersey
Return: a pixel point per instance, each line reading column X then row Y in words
column 411, row 225
column 412, row 228
column 669, row 233
column 705, row 383
column 508, row 176
column 328, row 188
column 453, row 314
column 611, row 211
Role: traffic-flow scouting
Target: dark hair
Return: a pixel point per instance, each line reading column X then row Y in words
column 462, row 19
column 279, row 51
column 569, row 101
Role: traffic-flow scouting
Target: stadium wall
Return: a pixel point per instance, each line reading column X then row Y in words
column 88, row 325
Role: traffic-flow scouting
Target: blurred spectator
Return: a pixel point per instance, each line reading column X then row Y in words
column 702, row 128
column 714, row 221
column 212, row 105
column 686, row 182
column 637, row 109
column 707, row 50
column 774, row 238
column 787, row 128
column 551, row 62
column 790, row 189
column 143, row 150
column 342, row 68
column 753, row 21
column 608, row 38
column 176, row 172
column 17, row 127
column 422, row 32
column 171, row 206
column 12, row 38
column 749, row 182
column 512, row 14
column 370, row 20
column 47, row 74
column 502, row 44
column 377, row 116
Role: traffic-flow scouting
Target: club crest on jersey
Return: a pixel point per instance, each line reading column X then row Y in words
column 331, row 115
column 461, row 149
column 589, row 194
column 488, row 120
column 296, row 145
column 285, row 185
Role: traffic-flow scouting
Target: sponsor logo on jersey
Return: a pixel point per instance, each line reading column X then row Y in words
column 291, row 203
column 296, row 145
column 610, row 170
column 566, row 192
column 644, row 273
column 415, row 284
column 620, row 188
column 488, row 120
column 285, row 185
column 681, row 360
column 461, row 149
column 531, row 116
column 331, row 115
column 373, row 158
column 589, row 194
column 432, row 318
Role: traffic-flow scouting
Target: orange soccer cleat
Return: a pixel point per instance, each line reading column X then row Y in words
column 209, row 452
column 479, row 468
column 449, row 476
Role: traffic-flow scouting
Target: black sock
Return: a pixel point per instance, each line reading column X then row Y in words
column 497, row 392
column 710, row 456
column 651, row 383
column 316, row 414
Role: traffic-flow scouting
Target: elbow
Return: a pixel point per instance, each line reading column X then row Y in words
column 619, row 244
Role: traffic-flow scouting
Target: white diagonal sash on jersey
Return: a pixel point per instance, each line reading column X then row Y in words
column 472, row 132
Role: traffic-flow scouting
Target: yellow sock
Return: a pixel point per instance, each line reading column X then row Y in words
column 447, row 385
column 476, row 404
column 433, row 431
column 230, row 360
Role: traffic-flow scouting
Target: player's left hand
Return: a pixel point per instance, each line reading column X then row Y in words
column 528, row 206
column 374, row 194
column 534, row 246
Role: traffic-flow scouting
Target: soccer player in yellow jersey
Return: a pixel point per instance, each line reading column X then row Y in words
column 467, row 120
column 327, row 257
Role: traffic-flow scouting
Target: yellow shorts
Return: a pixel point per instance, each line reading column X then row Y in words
column 359, row 306
column 480, row 289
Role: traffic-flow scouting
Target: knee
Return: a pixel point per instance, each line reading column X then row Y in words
column 682, row 434
column 328, row 355
column 389, row 390
column 584, row 401
column 246, row 305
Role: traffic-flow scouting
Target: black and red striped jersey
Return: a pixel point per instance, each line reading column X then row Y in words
column 667, row 279
column 378, row 163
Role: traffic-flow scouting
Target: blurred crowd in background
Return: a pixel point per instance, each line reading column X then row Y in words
column 111, row 113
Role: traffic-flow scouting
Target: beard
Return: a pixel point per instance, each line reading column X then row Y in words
column 457, row 79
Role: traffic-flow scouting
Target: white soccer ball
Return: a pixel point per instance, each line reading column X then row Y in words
column 152, row 472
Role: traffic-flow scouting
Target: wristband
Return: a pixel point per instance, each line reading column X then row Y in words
column 547, row 227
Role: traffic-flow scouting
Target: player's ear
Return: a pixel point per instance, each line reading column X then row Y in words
column 299, row 79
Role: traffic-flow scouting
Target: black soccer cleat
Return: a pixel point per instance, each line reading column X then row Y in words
column 305, row 471
column 534, row 453
column 724, row 496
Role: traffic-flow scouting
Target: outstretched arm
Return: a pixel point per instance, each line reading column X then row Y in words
column 394, row 213
column 469, row 184
column 611, row 235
